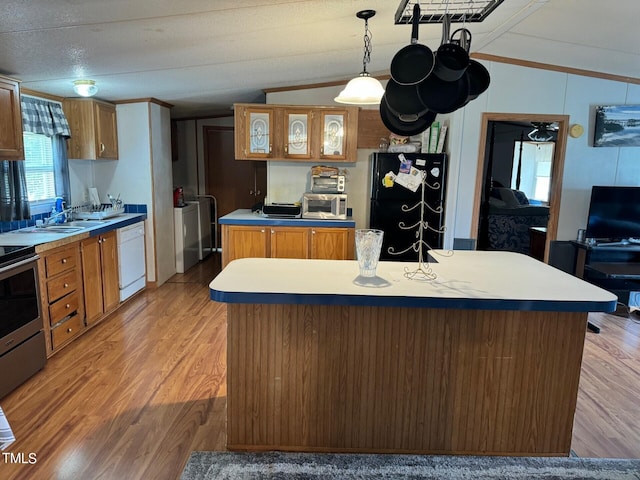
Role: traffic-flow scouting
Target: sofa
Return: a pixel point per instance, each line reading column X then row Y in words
column 509, row 217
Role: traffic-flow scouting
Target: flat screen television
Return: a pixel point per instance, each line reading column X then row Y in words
column 614, row 213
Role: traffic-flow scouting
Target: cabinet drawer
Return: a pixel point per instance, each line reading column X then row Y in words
column 63, row 307
column 61, row 261
column 66, row 331
column 59, row 287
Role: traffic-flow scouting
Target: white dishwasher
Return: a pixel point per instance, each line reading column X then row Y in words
column 131, row 258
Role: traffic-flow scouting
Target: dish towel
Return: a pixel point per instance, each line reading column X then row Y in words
column 6, row 435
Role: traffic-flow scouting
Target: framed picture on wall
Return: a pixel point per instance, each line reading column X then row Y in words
column 617, row 126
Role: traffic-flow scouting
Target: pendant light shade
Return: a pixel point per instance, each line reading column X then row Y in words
column 85, row 88
column 363, row 89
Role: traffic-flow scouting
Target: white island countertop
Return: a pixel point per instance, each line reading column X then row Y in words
column 465, row 280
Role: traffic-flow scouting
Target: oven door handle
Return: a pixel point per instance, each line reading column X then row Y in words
column 18, row 264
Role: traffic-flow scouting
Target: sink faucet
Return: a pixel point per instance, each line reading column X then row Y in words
column 55, row 215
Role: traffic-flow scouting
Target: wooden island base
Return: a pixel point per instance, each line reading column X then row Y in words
column 397, row 379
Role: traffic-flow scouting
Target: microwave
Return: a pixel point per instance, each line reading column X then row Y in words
column 324, row 205
column 327, row 183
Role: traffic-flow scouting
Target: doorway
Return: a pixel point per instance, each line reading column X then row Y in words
column 235, row 183
column 486, row 177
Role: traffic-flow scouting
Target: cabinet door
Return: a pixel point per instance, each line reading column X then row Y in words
column 239, row 241
column 11, row 147
column 92, row 279
column 106, row 131
column 289, row 242
column 332, row 243
column 297, row 123
column 254, row 132
column 334, row 141
column 109, row 265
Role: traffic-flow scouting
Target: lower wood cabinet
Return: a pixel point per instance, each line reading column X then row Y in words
column 261, row 241
column 100, row 275
column 62, row 309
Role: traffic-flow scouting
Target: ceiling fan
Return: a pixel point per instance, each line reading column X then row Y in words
column 542, row 131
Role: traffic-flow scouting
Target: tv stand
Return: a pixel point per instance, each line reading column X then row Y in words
column 614, row 266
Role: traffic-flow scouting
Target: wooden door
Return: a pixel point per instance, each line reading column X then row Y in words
column 244, row 241
column 289, row 242
column 92, row 279
column 332, row 243
column 110, row 279
column 235, row 184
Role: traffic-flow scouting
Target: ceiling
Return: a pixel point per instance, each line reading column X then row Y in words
column 203, row 55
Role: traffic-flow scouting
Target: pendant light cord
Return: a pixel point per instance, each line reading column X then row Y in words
column 367, row 46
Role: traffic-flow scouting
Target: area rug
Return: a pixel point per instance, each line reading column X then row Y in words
column 299, row 466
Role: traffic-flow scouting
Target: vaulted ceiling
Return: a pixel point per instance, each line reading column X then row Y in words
column 204, row 55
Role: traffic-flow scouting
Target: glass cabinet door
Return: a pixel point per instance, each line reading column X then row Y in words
column 333, row 136
column 297, row 123
column 259, row 132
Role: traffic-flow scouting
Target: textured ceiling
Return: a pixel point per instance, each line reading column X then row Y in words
column 202, row 56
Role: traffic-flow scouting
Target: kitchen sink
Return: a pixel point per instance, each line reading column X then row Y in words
column 68, row 227
column 85, row 223
column 53, row 229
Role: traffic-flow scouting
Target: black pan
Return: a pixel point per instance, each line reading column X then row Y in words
column 403, row 99
column 444, row 97
column 405, row 125
column 479, row 79
column 413, row 63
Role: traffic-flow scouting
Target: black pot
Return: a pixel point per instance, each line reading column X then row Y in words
column 444, row 97
column 402, row 124
column 413, row 63
column 452, row 57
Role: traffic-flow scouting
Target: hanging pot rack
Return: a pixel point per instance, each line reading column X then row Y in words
column 433, row 11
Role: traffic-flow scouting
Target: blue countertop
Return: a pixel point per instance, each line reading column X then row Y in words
column 44, row 239
column 247, row 217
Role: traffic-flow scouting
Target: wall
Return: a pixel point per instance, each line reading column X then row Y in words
column 141, row 175
column 513, row 89
column 188, row 170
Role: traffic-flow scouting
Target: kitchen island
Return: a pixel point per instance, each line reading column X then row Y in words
column 483, row 360
column 250, row 234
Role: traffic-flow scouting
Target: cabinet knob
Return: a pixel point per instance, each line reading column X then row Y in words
column 103, row 240
column 67, row 306
column 313, row 232
column 69, row 330
column 66, row 285
column 64, row 260
column 262, row 230
column 286, row 148
column 101, row 147
column 272, row 231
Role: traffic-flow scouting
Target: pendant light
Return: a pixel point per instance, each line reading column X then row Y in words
column 363, row 89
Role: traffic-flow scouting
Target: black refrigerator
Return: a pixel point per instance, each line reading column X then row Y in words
column 395, row 209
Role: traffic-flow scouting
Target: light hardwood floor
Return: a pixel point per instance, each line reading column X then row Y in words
column 135, row 395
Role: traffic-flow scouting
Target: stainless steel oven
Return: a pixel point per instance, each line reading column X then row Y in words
column 22, row 344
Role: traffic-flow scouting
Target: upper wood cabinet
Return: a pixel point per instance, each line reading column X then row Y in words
column 11, row 147
column 94, row 134
column 295, row 133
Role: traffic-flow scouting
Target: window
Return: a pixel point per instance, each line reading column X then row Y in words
column 39, row 167
column 535, row 169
